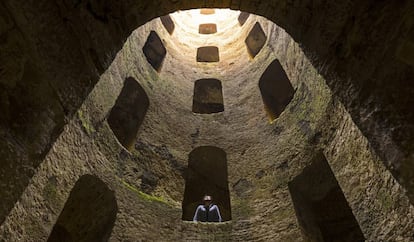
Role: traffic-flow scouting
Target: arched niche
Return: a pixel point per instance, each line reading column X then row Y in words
column 89, row 213
column 206, row 174
column 255, row 40
column 168, row 23
column 154, row 50
column 127, row 114
column 243, row 18
column 276, row 90
column 208, row 96
column 207, row 11
column 208, row 28
column 320, row 205
column 208, row 54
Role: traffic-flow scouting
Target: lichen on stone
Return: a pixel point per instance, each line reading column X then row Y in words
column 86, row 124
column 144, row 196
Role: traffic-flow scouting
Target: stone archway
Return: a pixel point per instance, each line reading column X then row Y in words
column 89, row 213
column 206, row 174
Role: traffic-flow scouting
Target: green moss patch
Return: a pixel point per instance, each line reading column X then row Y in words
column 143, row 195
column 87, row 126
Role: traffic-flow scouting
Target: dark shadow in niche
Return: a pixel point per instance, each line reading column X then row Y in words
column 168, row 23
column 207, row 29
column 127, row 114
column 89, row 213
column 276, row 90
column 154, row 50
column 320, row 205
column 208, row 96
column 243, row 18
column 207, row 11
column 255, row 40
column 208, row 54
column 60, row 234
column 206, row 174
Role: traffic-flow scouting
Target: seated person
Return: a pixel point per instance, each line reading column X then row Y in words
column 207, row 212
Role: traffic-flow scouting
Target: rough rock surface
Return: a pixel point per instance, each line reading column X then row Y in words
column 53, row 52
column 262, row 158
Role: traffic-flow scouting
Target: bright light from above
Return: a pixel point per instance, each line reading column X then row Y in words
column 190, row 20
column 197, row 29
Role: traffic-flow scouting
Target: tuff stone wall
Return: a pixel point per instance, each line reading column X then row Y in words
column 52, row 54
column 262, row 158
column 373, row 194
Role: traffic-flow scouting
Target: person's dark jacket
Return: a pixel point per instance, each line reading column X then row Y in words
column 207, row 214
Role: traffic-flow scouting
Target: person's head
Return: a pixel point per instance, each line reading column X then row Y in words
column 207, row 199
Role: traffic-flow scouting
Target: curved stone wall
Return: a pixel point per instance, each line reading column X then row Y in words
column 53, row 53
column 262, row 157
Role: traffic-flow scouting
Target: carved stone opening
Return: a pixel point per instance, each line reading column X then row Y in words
column 89, row 213
column 276, row 90
column 154, row 50
column 128, row 112
column 206, row 174
column 321, row 208
column 207, row 11
column 208, row 54
column 255, row 40
column 243, row 18
column 208, row 96
column 168, row 23
column 207, row 29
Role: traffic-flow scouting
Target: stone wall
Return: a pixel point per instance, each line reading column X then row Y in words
column 53, row 53
column 148, row 180
column 377, row 200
